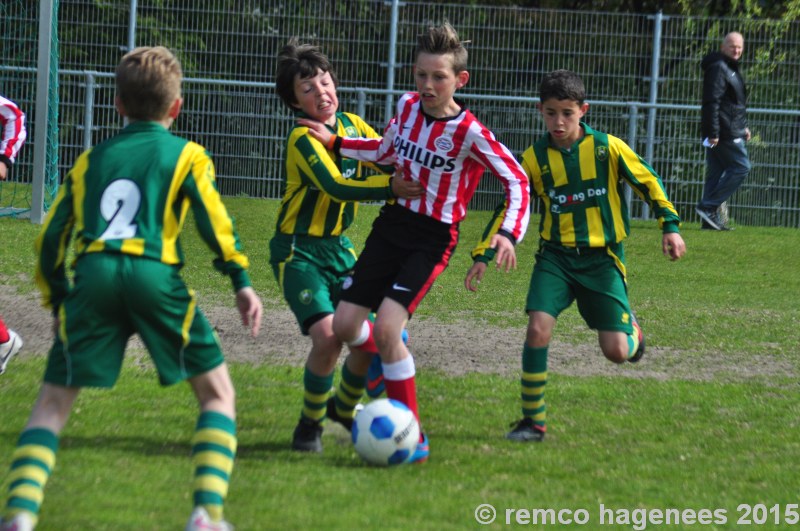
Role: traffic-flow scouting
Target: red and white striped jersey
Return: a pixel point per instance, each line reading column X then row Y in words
column 12, row 122
column 448, row 157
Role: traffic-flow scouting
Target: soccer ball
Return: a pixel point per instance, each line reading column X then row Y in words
column 385, row 432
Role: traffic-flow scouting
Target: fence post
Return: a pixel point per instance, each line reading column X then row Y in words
column 88, row 111
column 633, row 118
column 40, row 147
column 654, row 79
column 132, row 25
column 361, row 98
column 390, row 68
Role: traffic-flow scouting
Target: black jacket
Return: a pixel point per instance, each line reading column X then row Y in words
column 724, row 98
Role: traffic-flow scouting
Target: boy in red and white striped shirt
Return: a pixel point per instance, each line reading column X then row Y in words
column 434, row 140
column 12, row 136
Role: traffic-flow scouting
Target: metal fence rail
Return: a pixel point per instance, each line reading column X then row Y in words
column 642, row 73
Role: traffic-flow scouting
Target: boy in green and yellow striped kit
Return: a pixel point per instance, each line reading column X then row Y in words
column 125, row 202
column 310, row 254
column 578, row 175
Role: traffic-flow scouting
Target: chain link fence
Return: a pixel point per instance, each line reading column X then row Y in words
column 642, row 74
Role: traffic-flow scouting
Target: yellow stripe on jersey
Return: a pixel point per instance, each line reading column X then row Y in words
column 134, row 246
column 317, row 227
column 566, row 227
column 171, row 223
column 587, row 159
column 78, row 175
column 557, row 169
column 594, row 221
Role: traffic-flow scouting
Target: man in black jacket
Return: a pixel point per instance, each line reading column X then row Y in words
column 724, row 129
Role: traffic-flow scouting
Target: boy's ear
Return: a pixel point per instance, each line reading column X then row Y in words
column 584, row 108
column 175, row 108
column 462, row 78
column 119, row 106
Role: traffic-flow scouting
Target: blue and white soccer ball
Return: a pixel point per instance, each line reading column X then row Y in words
column 385, row 432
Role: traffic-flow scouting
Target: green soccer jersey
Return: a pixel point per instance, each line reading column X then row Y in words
column 130, row 195
column 582, row 194
column 322, row 188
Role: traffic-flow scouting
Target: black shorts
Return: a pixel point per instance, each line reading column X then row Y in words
column 403, row 255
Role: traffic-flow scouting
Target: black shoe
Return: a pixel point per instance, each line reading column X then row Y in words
column 525, row 431
column 639, row 351
column 307, row 436
column 336, row 417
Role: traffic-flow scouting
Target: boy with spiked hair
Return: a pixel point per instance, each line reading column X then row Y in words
column 310, row 254
column 127, row 199
column 434, row 140
column 577, row 173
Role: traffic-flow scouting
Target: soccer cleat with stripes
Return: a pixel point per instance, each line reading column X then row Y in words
column 9, row 349
column 201, row 521
column 639, row 351
column 526, row 431
column 422, row 452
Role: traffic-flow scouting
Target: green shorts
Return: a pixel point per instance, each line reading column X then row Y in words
column 115, row 296
column 595, row 278
column 310, row 272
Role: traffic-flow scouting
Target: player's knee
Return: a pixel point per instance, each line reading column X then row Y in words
column 616, row 354
column 537, row 336
column 345, row 330
column 385, row 337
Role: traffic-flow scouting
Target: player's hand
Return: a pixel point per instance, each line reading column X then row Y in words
column 406, row 189
column 673, row 246
column 747, row 134
column 3, row 171
column 250, row 308
column 475, row 275
column 317, row 130
column 505, row 256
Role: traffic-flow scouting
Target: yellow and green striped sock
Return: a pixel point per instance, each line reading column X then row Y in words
column 317, row 389
column 348, row 394
column 213, row 452
column 533, row 381
column 31, row 466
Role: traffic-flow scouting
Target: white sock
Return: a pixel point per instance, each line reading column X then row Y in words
column 400, row 370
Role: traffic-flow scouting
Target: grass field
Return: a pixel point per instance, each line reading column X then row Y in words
column 621, row 452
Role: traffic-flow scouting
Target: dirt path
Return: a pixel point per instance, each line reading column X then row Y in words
column 450, row 348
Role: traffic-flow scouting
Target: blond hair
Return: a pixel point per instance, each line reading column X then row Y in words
column 148, row 82
column 443, row 39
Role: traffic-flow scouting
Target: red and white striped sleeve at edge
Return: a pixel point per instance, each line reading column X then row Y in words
column 12, row 120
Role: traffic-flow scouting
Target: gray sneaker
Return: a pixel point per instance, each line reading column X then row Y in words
column 9, row 349
column 711, row 217
column 525, row 431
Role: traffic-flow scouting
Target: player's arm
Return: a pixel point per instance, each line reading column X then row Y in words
column 495, row 244
column 496, row 157
column 317, row 163
column 12, row 134
column 215, row 225
column 51, row 244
